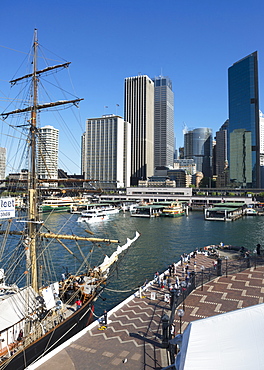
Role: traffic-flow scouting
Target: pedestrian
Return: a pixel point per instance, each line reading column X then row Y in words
column 169, row 282
column 172, row 330
column 177, row 282
column 175, row 269
column 181, row 260
column 105, row 317
column 78, row 304
column 258, row 249
column 20, row 335
column 162, row 282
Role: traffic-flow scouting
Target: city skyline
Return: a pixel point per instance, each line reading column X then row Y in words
column 107, row 42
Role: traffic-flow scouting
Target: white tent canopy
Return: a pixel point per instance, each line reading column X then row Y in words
column 229, row 341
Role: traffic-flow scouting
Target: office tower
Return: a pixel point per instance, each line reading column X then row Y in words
column 2, row 163
column 221, row 162
column 240, row 157
column 198, row 146
column 139, row 111
column 261, row 148
column 163, row 122
column 243, row 98
column 107, row 151
column 48, row 153
column 83, row 157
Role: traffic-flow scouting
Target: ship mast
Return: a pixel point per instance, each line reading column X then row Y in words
column 33, row 216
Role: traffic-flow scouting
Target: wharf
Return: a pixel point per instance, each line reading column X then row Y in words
column 133, row 338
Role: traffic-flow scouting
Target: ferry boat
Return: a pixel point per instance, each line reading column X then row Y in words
column 58, row 204
column 92, row 216
column 175, row 209
column 107, row 208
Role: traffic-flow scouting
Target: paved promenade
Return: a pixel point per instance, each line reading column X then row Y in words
column 133, row 338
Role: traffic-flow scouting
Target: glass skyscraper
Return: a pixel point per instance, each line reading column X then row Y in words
column 163, row 122
column 198, row 145
column 243, row 100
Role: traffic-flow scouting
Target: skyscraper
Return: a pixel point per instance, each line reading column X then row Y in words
column 241, row 157
column 139, row 111
column 106, row 151
column 261, row 148
column 243, row 97
column 221, row 162
column 198, row 145
column 48, row 152
column 163, row 122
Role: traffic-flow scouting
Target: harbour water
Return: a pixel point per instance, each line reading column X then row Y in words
column 162, row 242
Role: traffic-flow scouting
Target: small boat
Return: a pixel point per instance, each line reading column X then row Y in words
column 251, row 212
column 92, row 216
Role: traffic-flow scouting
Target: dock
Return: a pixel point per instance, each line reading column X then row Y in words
column 134, row 334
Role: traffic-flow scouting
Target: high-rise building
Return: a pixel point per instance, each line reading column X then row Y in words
column 243, row 98
column 261, row 148
column 198, row 146
column 48, row 152
column 139, row 111
column 2, row 163
column 241, row 157
column 221, row 162
column 163, row 122
column 106, row 151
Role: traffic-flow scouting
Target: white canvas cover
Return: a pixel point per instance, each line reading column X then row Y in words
column 15, row 307
column 229, row 341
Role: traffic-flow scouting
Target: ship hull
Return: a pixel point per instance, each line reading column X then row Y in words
column 52, row 339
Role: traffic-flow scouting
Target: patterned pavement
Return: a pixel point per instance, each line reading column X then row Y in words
column 133, row 338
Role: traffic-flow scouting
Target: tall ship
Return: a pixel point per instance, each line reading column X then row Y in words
column 39, row 307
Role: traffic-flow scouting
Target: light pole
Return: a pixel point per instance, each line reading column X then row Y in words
column 202, row 269
column 183, row 288
column 180, row 313
column 226, row 259
column 255, row 258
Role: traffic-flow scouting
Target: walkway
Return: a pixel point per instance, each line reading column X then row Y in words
column 133, row 338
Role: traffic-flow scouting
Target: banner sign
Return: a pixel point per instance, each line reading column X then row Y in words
column 7, row 207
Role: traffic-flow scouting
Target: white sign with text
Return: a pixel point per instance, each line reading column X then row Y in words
column 7, row 207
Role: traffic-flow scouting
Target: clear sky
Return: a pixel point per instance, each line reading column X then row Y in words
column 192, row 42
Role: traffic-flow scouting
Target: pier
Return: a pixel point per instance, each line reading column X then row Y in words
column 138, row 330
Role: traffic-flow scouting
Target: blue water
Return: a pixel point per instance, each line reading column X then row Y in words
column 162, row 242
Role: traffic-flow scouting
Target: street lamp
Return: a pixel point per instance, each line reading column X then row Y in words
column 255, row 257
column 202, row 269
column 180, row 313
column 183, row 288
column 226, row 259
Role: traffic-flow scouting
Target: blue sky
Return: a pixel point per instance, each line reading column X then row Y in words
column 193, row 42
